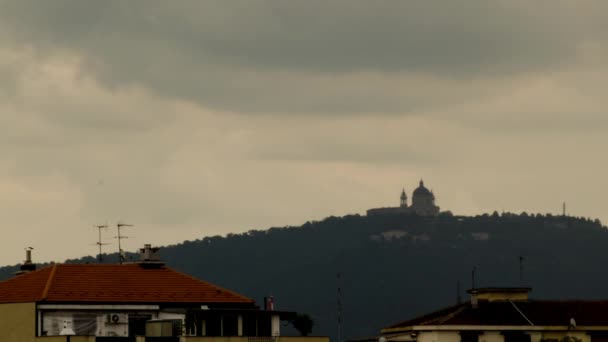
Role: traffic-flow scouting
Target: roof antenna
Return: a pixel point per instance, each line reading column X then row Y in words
column 121, row 255
column 473, row 277
column 99, row 243
column 521, row 269
column 339, row 302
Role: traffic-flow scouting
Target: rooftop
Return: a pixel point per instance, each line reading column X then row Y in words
column 127, row 283
column 513, row 313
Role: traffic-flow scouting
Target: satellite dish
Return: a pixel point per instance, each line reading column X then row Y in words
column 382, row 339
column 572, row 323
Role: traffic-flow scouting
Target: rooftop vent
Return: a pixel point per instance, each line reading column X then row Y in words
column 27, row 265
column 148, row 256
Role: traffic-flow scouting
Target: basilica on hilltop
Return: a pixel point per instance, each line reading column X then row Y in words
column 423, row 204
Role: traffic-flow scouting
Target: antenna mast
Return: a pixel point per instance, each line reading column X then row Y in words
column 339, row 276
column 473, row 277
column 121, row 256
column 521, row 268
column 99, row 243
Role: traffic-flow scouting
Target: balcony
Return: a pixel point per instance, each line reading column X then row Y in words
column 245, row 339
column 185, row 339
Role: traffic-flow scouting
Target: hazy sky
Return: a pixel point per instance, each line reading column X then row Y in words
column 195, row 118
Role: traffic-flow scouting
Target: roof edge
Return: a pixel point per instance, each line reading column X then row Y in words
column 49, row 281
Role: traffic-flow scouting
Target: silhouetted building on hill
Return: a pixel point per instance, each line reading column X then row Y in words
column 423, row 204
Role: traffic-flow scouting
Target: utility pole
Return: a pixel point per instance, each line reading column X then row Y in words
column 99, row 242
column 121, row 256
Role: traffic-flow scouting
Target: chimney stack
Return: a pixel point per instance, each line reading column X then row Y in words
column 148, row 256
column 27, row 265
column 148, row 253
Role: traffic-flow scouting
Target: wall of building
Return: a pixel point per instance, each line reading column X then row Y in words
column 65, row 339
column 581, row 335
column 439, row 336
column 18, row 322
column 255, row 339
column 491, row 336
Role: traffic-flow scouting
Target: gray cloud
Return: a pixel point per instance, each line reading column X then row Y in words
column 142, row 111
column 251, row 55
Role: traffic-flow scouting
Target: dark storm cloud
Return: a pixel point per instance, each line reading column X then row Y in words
column 250, row 55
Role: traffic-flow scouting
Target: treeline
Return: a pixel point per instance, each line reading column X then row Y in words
column 394, row 267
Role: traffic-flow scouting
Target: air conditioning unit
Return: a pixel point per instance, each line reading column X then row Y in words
column 117, row 318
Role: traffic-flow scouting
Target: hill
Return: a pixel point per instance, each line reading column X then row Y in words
column 394, row 267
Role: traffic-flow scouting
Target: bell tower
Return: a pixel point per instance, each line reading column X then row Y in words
column 403, row 203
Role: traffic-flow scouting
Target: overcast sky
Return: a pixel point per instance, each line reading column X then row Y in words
column 196, row 118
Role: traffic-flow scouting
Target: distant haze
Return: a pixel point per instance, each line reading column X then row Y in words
column 193, row 118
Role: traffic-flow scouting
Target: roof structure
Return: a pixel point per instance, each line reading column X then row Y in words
column 112, row 283
column 514, row 313
column 421, row 190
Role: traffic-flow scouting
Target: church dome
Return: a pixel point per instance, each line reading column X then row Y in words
column 422, row 190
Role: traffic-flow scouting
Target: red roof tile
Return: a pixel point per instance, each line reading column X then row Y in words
column 128, row 283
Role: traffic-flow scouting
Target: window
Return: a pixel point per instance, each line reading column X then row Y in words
column 469, row 336
column 231, row 325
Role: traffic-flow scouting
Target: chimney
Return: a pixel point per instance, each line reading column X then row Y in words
column 269, row 303
column 148, row 256
column 27, row 265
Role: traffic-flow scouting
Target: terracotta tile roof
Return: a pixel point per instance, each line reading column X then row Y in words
column 539, row 312
column 128, row 283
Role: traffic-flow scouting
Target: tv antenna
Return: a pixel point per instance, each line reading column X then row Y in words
column 99, row 242
column 119, row 225
column 521, row 268
column 339, row 307
column 473, row 274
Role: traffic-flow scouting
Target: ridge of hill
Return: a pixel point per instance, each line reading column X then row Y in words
column 396, row 266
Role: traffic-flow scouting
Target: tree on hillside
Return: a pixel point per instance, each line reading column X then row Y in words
column 303, row 324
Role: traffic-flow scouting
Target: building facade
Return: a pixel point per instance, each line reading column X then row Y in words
column 423, row 204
